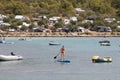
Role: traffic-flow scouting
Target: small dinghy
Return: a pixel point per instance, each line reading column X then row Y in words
column 54, row 43
column 97, row 59
column 2, row 41
column 10, row 57
column 104, row 43
column 63, row 61
column 22, row 39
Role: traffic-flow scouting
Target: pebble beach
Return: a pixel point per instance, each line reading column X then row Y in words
column 61, row 34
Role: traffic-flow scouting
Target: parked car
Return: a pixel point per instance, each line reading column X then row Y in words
column 90, row 18
column 103, row 29
column 38, row 30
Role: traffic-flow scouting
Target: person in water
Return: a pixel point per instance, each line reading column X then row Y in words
column 12, row 54
column 62, row 52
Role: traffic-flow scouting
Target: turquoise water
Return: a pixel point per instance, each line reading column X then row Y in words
column 39, row 62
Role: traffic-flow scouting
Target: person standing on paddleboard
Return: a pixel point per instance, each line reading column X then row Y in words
column 62, row 52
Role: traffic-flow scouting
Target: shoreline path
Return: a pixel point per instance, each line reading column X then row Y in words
column 60, row 34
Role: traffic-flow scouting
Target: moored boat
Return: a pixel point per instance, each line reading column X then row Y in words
column 97, row 59
column 22, row 39
column 53, row 43
column 2, row 41
column 104, row 43
column 10, row 57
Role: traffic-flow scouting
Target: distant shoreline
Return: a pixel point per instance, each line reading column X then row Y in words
column 60, row 34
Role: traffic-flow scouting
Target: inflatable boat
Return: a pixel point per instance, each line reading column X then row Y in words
column 10, row 57
column 97, row 59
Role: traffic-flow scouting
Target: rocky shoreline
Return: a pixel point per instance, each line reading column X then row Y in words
column 60, row 34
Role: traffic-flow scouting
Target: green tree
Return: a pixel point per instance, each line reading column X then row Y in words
column 66, row 8
column 30, row 28
column 101, row 6
column 116, row 4
column 42, row 22
column 118, row 13
column 6, row 20
column 59, row 24
column 23, row 28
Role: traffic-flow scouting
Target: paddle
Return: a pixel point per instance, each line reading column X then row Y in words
column 56, row 56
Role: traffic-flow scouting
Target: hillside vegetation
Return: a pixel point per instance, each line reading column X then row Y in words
column 103, row 8
column 99, row 9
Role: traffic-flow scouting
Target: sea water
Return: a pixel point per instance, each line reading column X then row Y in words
column 39, row 62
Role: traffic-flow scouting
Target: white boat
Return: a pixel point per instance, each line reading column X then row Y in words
column 2, row 41
column 22, row 39
column 104, row 43
column 10, row 57
column 53, row 43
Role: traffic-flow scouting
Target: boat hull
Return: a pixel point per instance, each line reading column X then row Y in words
column 53, row 44
column 105, row 44
column 2, row 41
column 10, row 58
column 63, row 61
column 97, row 59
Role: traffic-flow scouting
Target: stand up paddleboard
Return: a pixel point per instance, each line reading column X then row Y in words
column 63, row 61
